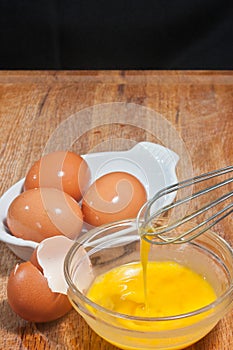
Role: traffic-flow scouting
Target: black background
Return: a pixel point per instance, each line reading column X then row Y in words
column 159, row 34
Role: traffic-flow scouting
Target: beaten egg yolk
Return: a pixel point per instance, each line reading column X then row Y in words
column 152, row 289
column 172, row 289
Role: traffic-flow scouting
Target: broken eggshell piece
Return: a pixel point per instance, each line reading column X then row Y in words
column 51, row 254
column 30, row 297
column 37, row 290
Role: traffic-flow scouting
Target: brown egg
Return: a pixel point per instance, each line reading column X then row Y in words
column 66, row 171
column 112, row 197
column 40, row 213
column 30, row 297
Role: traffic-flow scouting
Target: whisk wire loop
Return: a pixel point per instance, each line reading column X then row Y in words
column 153, row 231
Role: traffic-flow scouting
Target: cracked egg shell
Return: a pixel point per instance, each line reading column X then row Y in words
column 30, row 297
column 49, row 258
column 45, row 212
column 34, row 260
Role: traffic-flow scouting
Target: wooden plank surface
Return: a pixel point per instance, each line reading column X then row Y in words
column 197, row 106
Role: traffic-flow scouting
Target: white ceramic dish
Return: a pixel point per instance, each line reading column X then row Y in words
column 154, row 165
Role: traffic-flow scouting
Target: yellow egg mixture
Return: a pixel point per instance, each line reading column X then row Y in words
column 152, row 289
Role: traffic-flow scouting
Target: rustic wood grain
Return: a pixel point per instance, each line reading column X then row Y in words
column 33, row 104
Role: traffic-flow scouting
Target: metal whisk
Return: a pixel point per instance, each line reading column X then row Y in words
column 158, row 227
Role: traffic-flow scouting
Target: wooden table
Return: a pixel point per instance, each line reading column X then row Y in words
column 197, row 105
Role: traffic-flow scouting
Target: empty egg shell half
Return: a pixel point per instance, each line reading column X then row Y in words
column 37, row 289
column 30, row 297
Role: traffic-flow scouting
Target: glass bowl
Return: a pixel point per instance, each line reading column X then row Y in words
column 109, row 246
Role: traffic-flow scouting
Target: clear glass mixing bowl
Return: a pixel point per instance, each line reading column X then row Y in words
column 109, row 246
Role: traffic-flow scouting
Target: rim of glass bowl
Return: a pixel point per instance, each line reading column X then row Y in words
column 92, row 233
